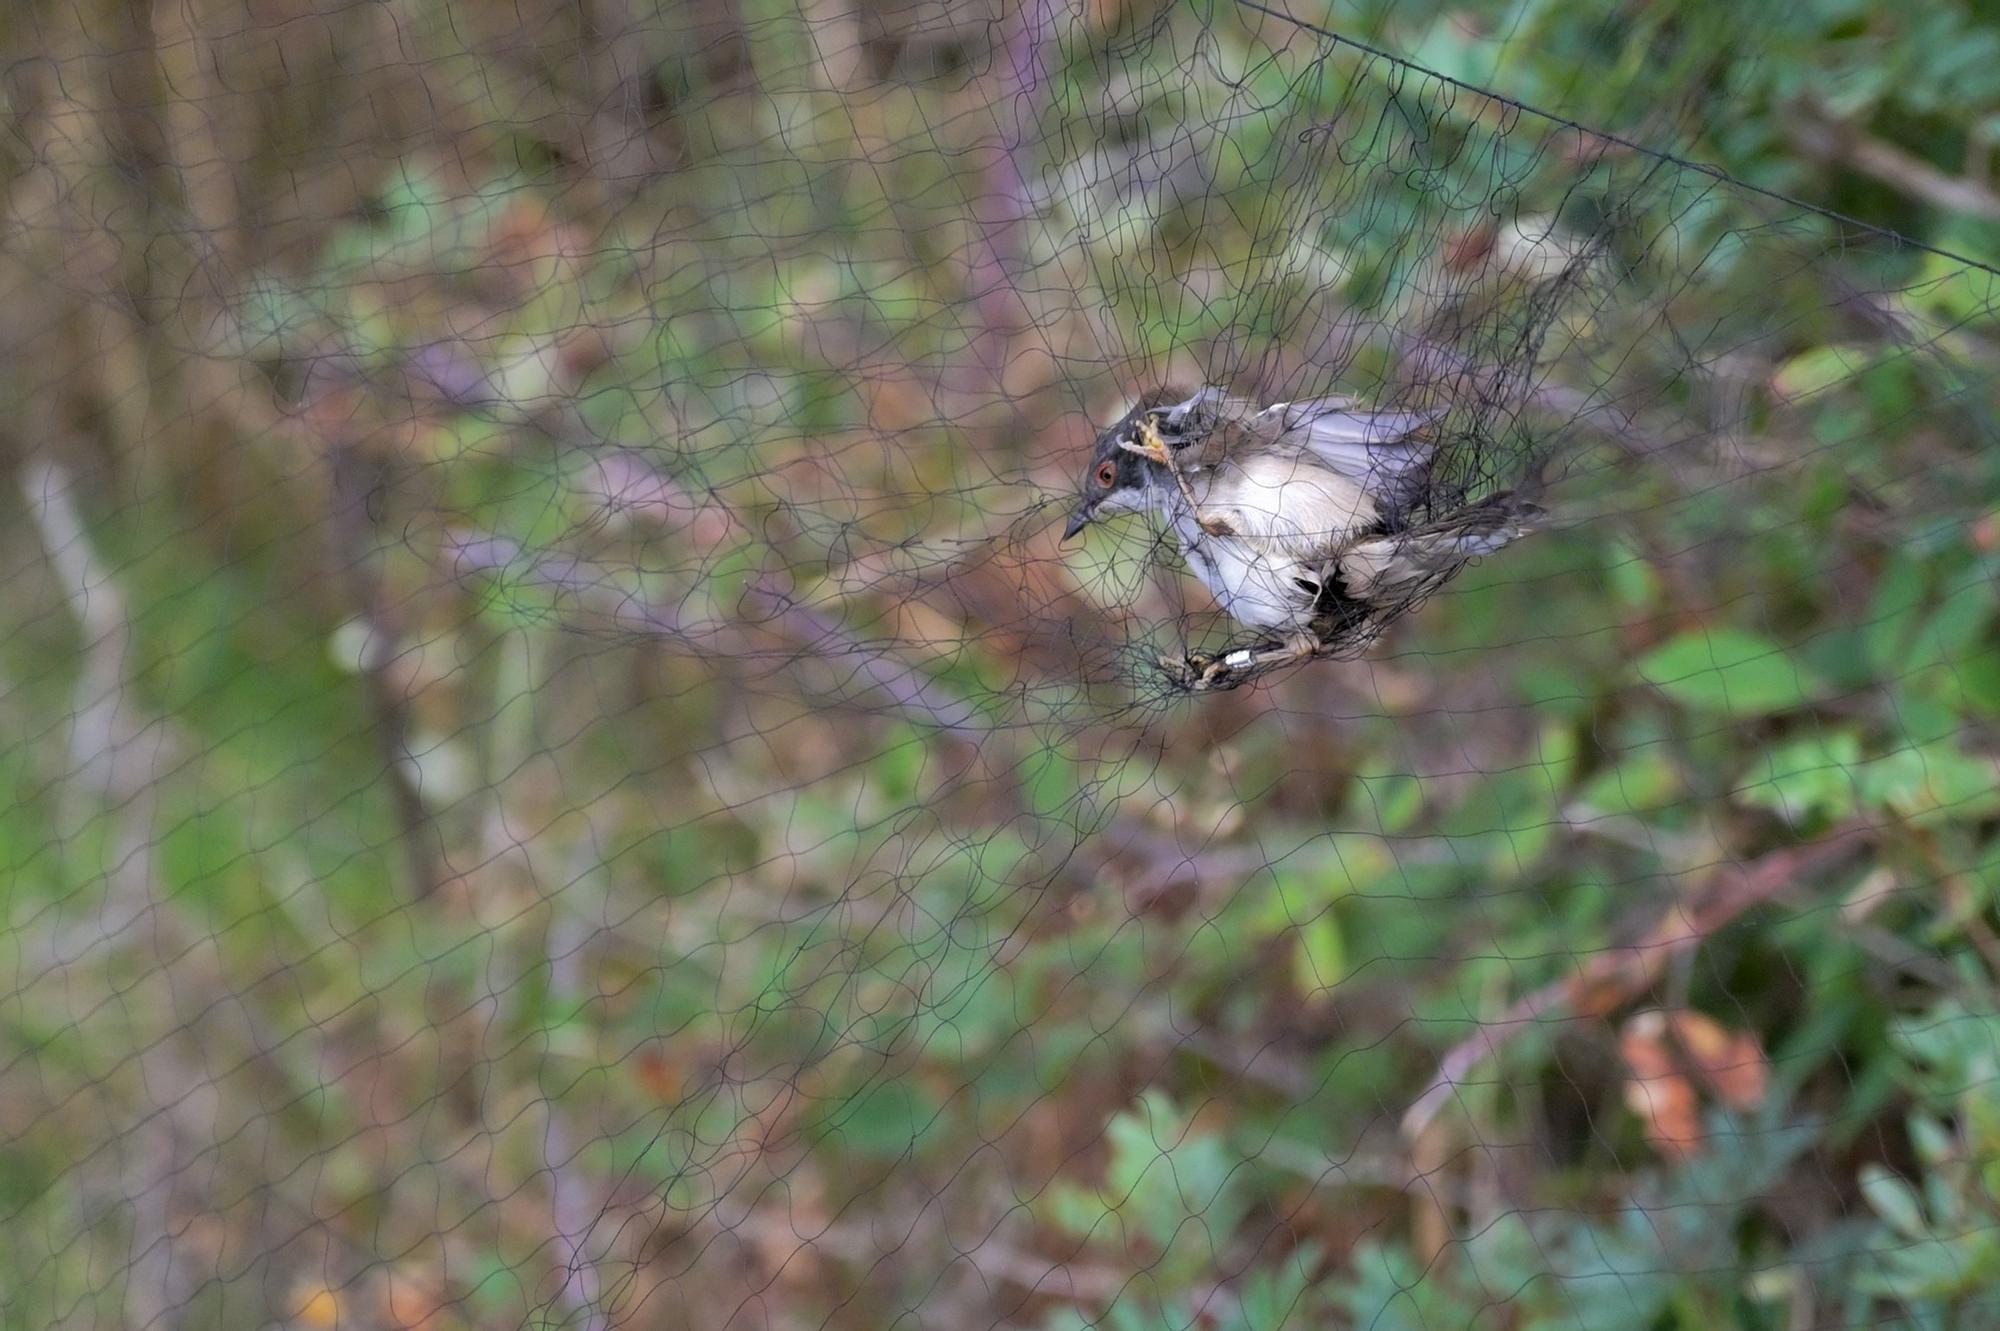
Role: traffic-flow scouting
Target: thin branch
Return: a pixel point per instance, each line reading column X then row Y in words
column 1618, row 974
column 576, row 1200
column 1820, row 137
column 356, row 558
column 109, row 766
column 903, row 684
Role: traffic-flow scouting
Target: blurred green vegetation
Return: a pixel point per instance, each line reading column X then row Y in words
column 560, row 778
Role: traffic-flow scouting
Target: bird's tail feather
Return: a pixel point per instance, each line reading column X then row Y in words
column 1408, row 563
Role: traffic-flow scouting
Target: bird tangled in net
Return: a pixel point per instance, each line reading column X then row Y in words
column 1315, row 518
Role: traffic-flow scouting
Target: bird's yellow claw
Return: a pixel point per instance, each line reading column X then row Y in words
column 1197, row 672
column 1149, row 445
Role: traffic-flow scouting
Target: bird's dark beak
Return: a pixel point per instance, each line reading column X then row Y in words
column 1077, row 522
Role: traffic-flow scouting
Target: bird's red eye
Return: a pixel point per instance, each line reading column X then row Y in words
column 1107, row 472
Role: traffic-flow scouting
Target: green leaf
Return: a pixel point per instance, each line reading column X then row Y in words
column 1177, row 1186
column 1805, row 778
column 1281, row 1297
column 888, row 1117
column 1931, row 783
column 1894, row 1200
column 1893, row 613
column 1321, row 959
column 1819, row 369
column 1394, row 799
column 1645, row 782
column 1629, row 577
column 1730, row 671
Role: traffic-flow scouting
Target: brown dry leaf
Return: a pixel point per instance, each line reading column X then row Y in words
column 1669, row 1053
column 658, row 1076
column 582, row 349
column 1617, row 975
column 1664, row 1100
column 1471, row 248
column 1730, row 1063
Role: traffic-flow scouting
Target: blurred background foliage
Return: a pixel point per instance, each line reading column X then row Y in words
column 559, row 776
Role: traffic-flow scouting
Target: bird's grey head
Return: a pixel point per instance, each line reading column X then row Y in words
column 1116, row 481
column 1119, row 481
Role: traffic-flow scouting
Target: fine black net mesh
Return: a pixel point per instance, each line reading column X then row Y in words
column 562, row 777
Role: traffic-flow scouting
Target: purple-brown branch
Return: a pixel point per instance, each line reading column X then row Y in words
column 1618, row 974
column 1002, row 201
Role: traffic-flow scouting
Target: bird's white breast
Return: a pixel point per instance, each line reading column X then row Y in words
column 1288, row 502
column 1285, row 517
column 1251, row 588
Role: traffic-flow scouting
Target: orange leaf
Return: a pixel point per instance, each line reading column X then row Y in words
column 1664, row 1100
column 314, row 1305
column 658, row 1075
column 1730, row 1063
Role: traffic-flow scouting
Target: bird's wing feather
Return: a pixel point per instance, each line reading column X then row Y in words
column 1373, row 447
column 1208, row 406
column 1205, row 399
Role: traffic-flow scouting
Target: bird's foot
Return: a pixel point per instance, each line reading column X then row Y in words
column 1301, row 646
column 1148, row 444
column 1198, row 672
